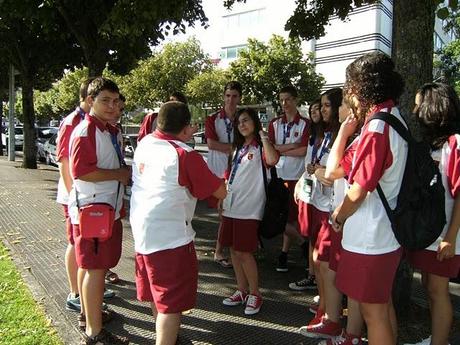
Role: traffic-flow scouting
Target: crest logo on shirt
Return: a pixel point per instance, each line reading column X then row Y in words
column 141, row 168
column 250, row 156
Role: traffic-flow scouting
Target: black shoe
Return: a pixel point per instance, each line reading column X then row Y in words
column 104, row 338
column 282, row 263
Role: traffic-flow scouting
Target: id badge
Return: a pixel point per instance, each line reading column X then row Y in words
column 227, row 203
column 307, row 186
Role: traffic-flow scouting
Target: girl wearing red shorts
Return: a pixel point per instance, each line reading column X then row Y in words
column 437, row 108
column 243, row 207
column 370, row 253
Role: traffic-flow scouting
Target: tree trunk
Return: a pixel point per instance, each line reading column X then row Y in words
column 413, row 28
column 1, row 126
column 29, row 147
column 96, row 62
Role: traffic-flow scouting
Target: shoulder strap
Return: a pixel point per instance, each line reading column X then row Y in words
column 264, row 172
column 397, row 125
column 394, row 122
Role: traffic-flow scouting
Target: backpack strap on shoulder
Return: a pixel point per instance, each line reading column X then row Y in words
column 394, row 122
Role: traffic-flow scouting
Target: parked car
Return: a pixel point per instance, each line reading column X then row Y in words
column 199, row 137
column 18, row 138
column 50, row 150
column 129, row 144
column 43, row 134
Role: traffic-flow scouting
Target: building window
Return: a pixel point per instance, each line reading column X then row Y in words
column 244, row 20
column 438, row 42
column 231, row 52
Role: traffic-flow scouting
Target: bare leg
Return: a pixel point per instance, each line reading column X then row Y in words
column 379, row 328
column 355, row 320
column 241, row 279
column 167, row 328
column 93, row 293
column 250, row 271
column 319, row 281
column 154, row 311
column 80, row 276
column 441, row 308
column 293, row 234
column 71, row 268
column 332, row 296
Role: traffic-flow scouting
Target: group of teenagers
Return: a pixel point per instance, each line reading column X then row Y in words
column 331, row 163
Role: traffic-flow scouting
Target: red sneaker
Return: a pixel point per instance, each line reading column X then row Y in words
column 318, row 316
column 323, row 329
column 237, row 298
column 253, row 304
column 343, row 339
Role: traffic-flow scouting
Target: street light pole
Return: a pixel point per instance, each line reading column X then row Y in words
column 11, row 134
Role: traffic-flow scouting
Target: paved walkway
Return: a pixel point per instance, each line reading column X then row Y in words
column 32, row 226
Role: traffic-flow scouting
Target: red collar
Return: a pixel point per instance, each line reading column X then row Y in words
column 379, row 107
column 296, row 118
column 254, row 143
column 99, row 124
column 163, row 136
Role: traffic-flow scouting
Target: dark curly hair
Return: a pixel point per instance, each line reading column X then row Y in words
column 438, row 112
column 372, row 79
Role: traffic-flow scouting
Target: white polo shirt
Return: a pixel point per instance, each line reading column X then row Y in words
column 246, row 188
column 380, row 158
column 449, row 166
column 91, row 147
column 168, row 177
column 281, row 132
column 321, row 195
column 218, row 127
column 62, row 147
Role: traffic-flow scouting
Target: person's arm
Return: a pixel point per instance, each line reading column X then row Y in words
column 64, row 171
column 296, row 152
column 354, row 198
column 286, row 147
column 333, row 169
column 319, row 174
column 123, row 175
column 218, row 146
column 221, row 192
column 271, row 154
column 446, row 249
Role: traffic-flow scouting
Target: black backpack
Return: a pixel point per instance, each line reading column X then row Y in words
column 276, row 209
column 419, row 216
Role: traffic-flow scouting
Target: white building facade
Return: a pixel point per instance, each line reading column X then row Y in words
column 369, row 28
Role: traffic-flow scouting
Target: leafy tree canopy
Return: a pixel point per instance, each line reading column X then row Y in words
column 265, row 68
column 119, row 32
column 169, row 70
column 206, row 89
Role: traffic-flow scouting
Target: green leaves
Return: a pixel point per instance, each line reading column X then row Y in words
column 265, row 68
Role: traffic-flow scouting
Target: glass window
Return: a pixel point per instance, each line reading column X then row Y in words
column 231, row 53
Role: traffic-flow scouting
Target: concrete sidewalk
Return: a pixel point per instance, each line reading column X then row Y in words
column 32, row 226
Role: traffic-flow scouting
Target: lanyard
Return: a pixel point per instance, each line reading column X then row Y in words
column 81, row 112
column 237, row 161
column 324, row 148
column 228, row 128
column 287, row 131
column 117, row 148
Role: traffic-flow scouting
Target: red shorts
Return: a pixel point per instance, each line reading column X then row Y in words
column 311, row 220
column 68, row 226
column 108, row 252
column 426, row 261
column 240, row 234
column 169, row 278
column 323, row 242
column 293, row 208
column 367, row 278
column 335, row 250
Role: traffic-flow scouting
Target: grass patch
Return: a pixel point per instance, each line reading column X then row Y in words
column 22, row 321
